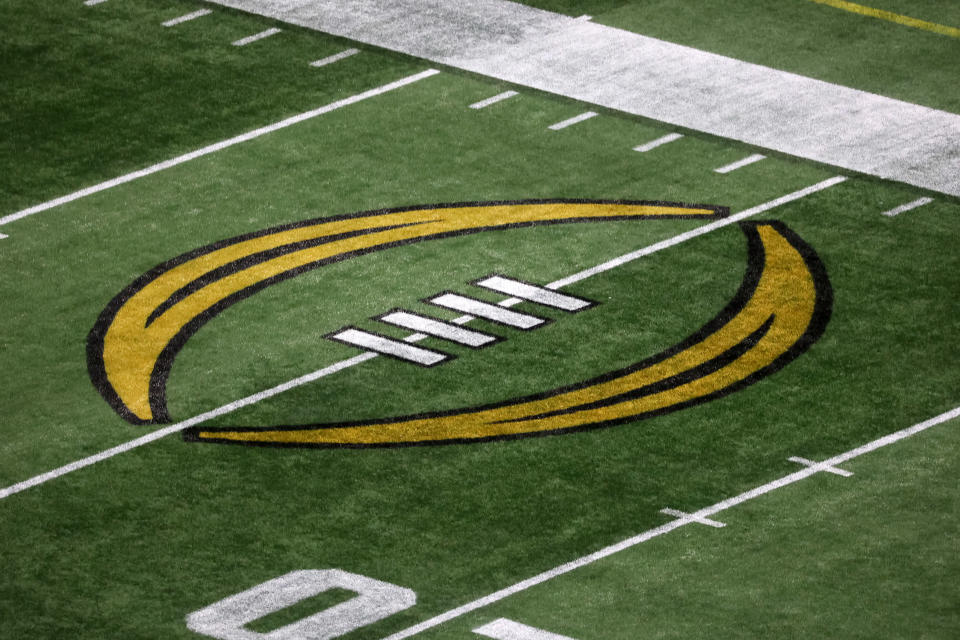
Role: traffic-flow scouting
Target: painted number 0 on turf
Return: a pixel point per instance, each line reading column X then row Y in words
column 374, row 601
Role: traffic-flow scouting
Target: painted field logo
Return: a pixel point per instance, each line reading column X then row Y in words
column 781, row 308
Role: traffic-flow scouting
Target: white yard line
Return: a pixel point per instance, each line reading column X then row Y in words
column 919, row 202
column 219, row 146
column 653, row 144
column 187, row 17
column 693, row 233
column 739, row 164
column 493, row 100
column 186, row 424
column 242, row 42
column 572, row 121
column 363, row 357
column 91, row 3
column 337, row 57
column 698, row 517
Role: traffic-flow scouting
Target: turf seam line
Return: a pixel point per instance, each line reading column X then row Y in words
column 919, row 202
column 355, row 360
column 218, row 146
column 670, row 526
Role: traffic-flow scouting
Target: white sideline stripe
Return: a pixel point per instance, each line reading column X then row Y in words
column 389, row 347
column 733, row 166
column 653, row 144
column 266, row 33
column 346, row 364
column 337, row 57
column 533, row 293
column 504, row 629
column 187, row 17
column 487, row 311
column 219, row 146
column 919, row 202
column 693, row 233
column 574, row 120
column 493, row 100
column 667, row 528
column 689, row 517
column 437, row 328
column 819, row 466
column 186, row 424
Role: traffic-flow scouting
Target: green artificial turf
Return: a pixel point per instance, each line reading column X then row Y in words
column 130, row 546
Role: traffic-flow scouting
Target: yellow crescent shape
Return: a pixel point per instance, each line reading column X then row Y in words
column 131, row 348
column 782, row 308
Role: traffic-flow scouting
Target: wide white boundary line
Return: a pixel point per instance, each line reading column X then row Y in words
column 350, row 362
column 668, row 527
column 218, row 146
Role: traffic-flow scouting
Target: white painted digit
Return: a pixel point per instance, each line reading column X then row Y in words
column 375, row 600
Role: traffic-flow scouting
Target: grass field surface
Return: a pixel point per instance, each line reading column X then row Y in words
column 131, row 546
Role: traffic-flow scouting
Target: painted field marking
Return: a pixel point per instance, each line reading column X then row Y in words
column 504, row 629
column 820, row 466
column 187, row 17
column 653, row 144
column 693, row 233
column 919, row 202
column 668, row 527
column 218, row 146
column 733, row 166
column 572, row 121
column 2, row 236
column 242, row 42
column 583, row 18
column 688, row 517
column 437, row 328
column 90, row 3
column 487, row 311
column 493, row 100
column 389, row 347
column 337, row 57
column 892, row 17
column 363, row 357
column 533, row 293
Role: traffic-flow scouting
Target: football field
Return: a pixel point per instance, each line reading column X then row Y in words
column 305, row 338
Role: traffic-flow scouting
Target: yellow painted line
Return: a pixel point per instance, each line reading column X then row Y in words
column 892, row 17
